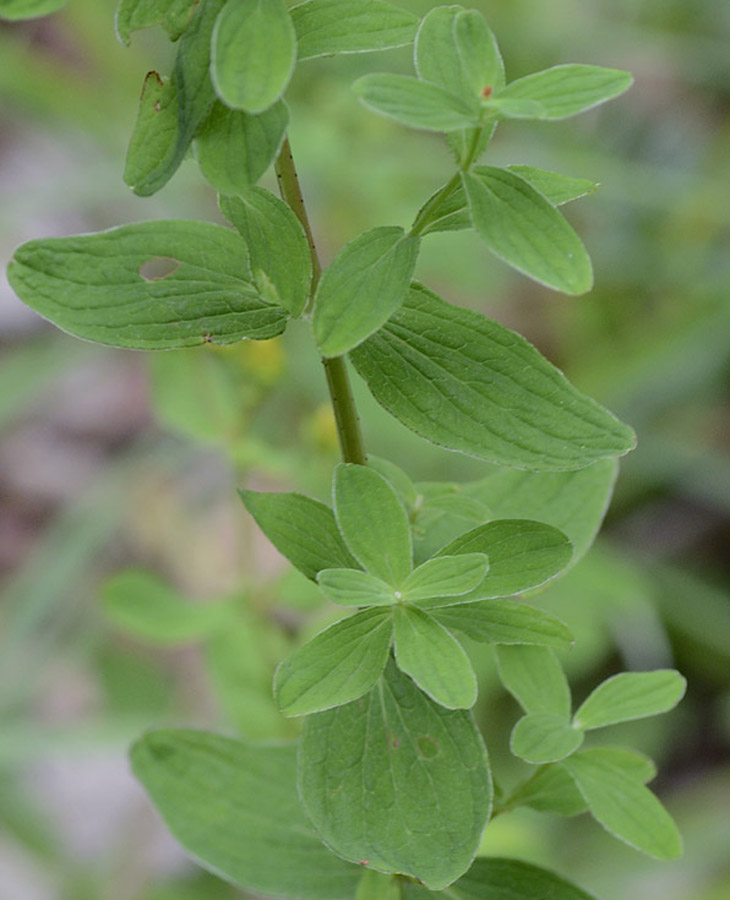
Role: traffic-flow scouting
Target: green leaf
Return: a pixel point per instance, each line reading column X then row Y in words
column 194, row 90
column 567, row 90
column 280, row 255
column 515, row 109
column 173, row 15
column 417, row 104
column 467, row 383
column 250, row 73
column 558, row 189
column 229, row 803
column 522, row 555
column 524, row 229
column 235, row 148
column 337, row 666
column 397, row 750
column 631, row 695
column 152, row 286
column 373, row 523
column 153, row 155
column 551, row 789
column 397, row 478
column 505, row 622
column 351, row 587
column 434, row 659
column 575, row 502
column 171, row 112
column 625, row 808
column 456, row 50
column 442, row 512
column 375, row 886
column 147, row 607
column 367, row 281
column 504, row 879
column 13, row 10
column 453, row 212
column 535, row 679
column 544, row 738
column 445, row 576
column 325, row 27
column 301, row 529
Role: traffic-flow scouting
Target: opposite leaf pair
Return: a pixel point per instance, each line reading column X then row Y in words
column 461, row 81
column 609, row 781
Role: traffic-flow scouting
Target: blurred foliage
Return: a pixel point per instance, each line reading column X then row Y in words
column 652, row 342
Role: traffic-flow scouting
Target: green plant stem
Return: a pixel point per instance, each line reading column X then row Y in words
column 429, row 212
column 291, row 194
column 335, row 368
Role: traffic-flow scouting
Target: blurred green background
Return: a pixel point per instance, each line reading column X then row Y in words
column 111, row 460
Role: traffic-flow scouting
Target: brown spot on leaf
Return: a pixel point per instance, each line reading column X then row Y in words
column 158, row 268
column 487, row 91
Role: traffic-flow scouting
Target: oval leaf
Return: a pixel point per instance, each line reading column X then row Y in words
column 445, row 576
column 350, row 587
column 154, row 154
column 505, row 879
column 505, row 622
column 544, row 738
column 522, row 555
column 631, row 695
column 302, row 529
column 326, row 27
column 467, row 383
column 456, row 49
column 525, row 230
column 152, row 286
column 535, row 679
column 235, row 148
column 373, row 523
column 367, row 281
column 340, row 664
column 434, row 659
column 229, row 803
column 250, row 73
column 280, row 256
column 625, row 808
column 397, row 750
column 570, row 89
column 417, row 104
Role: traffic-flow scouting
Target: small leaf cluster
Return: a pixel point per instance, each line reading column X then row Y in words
column 607, row 781
column 361, row 555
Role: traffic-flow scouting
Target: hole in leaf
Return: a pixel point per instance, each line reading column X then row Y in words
column 158, row 268
column 427, row 747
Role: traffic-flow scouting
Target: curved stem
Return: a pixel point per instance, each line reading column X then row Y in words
column 338, row 381
column 430, row 210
